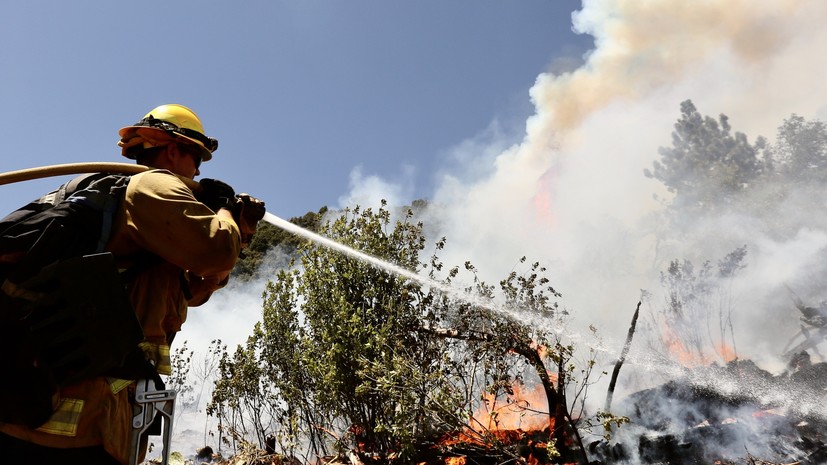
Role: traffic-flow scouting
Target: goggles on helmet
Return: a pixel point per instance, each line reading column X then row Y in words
column 208, row 142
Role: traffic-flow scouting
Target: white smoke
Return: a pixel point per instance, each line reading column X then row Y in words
column 369, row 191
column 572, row 194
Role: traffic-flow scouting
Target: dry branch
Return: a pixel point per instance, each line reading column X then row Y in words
column 622, row 358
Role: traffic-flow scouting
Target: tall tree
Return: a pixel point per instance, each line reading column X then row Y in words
column 707, row 166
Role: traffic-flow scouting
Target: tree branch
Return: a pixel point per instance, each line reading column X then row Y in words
column 622, row 358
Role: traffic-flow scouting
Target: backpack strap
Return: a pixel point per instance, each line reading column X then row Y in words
column 101, row 192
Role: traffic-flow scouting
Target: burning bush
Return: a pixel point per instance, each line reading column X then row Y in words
column 352, row 357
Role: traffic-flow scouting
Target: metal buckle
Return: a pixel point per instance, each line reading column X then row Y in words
column 151, row 402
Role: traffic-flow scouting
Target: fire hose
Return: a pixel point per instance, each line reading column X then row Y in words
column 126, row 168
column 79, row 168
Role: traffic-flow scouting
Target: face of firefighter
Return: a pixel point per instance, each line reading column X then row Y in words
column 183, row 160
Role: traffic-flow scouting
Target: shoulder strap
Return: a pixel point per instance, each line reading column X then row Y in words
column 103, row 193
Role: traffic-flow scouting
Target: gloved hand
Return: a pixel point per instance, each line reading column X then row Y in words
column 216, row 194
column 247, row 212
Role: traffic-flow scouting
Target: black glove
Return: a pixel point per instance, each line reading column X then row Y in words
column 247, row 212
column 216, row 194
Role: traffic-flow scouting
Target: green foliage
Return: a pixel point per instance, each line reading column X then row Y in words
column 240, row 398
column 269, row 237
column 801, row 149
column 336, row 335
column 707, row 165
column 349, row 355
column 358, row 324
column 609, row 422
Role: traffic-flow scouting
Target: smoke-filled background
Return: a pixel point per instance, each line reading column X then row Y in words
column 571, row 192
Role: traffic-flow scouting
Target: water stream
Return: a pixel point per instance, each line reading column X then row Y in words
column 378, row 262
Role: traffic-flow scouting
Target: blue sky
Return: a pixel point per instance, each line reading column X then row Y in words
column 299, row 93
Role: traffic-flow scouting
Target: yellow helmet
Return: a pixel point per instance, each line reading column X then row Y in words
column 165, row 124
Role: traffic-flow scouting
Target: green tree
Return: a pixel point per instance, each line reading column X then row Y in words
column 707, row 166
column 713, row 172
column 348, row 355
column 801, row 149
column 334, row 331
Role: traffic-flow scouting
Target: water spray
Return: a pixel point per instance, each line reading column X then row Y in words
column 351, row 252
column 382, row 264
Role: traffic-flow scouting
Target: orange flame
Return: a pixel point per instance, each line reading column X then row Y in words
column 726, row 352
column 543, row 206
column 680, row 353
column 523, row 410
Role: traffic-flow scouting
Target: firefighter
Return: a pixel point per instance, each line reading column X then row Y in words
column 176, row 252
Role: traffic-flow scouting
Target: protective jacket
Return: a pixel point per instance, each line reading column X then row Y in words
column 175, row 252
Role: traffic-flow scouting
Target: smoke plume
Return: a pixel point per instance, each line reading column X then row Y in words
column 572, row 193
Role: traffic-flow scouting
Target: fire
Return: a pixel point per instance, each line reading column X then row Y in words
column 678, row 351
column 520, row 418
column 522, row 410
column 726, row 352
column 506, row 419
column 543, row 206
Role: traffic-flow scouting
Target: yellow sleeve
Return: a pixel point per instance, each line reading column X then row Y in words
column 201, row 288
column 163, row 217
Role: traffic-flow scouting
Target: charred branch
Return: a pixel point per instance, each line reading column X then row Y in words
column 622, row 358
